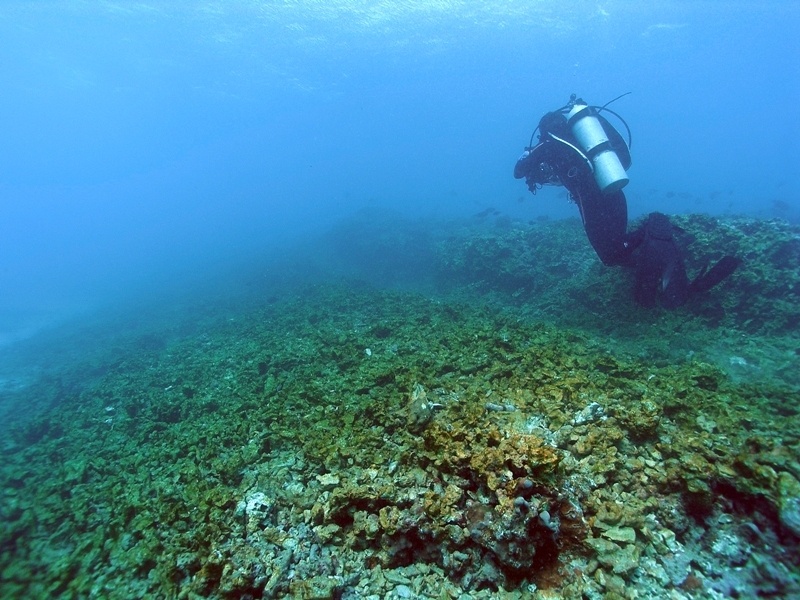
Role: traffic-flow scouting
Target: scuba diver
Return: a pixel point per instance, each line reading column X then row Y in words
column 579, row 149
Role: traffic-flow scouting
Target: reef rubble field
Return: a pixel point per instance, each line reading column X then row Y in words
column 451, row 412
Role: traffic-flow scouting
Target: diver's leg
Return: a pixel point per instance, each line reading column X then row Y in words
column 660, row 273
column 605, row 220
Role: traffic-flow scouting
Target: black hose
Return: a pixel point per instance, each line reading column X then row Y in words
column 600, row 109
column 530, row 143
column 614, row 100
column 628, row 129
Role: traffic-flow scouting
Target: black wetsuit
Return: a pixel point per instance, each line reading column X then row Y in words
column 556, row 160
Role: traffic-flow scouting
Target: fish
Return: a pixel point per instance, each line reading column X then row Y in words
column 486, row 212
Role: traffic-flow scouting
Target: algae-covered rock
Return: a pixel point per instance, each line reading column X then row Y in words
column 620, row 559
column 420, row 409
column 299, row 465
column 621, row 534
column 789, row 502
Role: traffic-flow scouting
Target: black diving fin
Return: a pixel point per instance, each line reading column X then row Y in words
column 707, row 279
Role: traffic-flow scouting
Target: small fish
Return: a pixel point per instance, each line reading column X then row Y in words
column 486, row 212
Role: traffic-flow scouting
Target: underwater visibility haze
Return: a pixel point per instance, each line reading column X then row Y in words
column 277, row 320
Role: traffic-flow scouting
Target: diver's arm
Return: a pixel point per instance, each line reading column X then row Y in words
column 635, row 238
column 528, row 162
column 537, row 166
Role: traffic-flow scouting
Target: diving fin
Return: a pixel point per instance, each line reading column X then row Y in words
column 705, row 280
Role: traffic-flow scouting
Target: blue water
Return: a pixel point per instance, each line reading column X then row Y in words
column 146, row 143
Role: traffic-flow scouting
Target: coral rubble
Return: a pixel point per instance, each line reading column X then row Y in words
column 347, row 441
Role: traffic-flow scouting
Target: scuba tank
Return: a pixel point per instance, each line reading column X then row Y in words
column 609, row 173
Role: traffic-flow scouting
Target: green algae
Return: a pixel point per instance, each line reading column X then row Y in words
column 134, row 486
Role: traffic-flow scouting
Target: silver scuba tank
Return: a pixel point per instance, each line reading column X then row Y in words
column 609, row 173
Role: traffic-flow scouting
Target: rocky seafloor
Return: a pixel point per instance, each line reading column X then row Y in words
column 475, row 411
